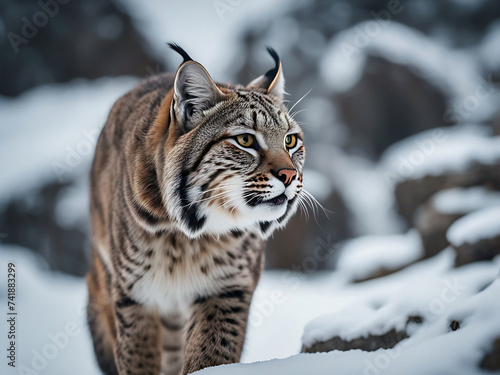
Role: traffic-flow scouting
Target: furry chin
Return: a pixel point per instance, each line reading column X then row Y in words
column 223, row 223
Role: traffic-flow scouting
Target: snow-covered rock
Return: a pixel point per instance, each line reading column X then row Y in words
column 465, row 200
column 441, row 151
column 476, row 236
column 47, row 141
column 438, row 159
column 431, row 300
column 435, row 217
column 481, row 225
column 374, row 256
column 459, row 311
column 63, row 123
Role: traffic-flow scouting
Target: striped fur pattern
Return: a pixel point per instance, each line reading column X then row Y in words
column 181, row 204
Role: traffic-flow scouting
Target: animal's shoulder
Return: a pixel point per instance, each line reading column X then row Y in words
column 157, row 86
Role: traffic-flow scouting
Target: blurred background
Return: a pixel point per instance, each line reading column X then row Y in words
column 376, row 72
column 399, row 103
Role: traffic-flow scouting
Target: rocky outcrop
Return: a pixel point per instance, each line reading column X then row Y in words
column 476, row 236
column 32, row 223
column 434, row 218
column 421, row 189
column 432, row 226
column 57, row 41
column 382, row 100
column 482, row 250
column 369, row 343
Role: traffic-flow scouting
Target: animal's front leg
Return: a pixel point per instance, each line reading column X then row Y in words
column 216, row 330
column 137, row 347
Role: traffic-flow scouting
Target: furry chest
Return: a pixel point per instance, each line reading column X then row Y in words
column 174, row 281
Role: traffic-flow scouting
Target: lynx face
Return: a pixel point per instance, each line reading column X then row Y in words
column 237, row 161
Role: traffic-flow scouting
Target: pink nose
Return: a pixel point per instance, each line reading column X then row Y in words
column 286, row 175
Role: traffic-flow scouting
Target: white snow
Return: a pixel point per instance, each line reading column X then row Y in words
column 431, row 289
column 479, row 225
column 488, row 48
column 439, row 151
column 465, row 200
column 363, row 256
column 51, row 131
column 401, row 45
column 432, row 297
column 48, row 305
column 283, row 305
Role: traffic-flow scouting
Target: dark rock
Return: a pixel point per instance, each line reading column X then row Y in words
column 89, row 39
column 420, row 190
column 432, row 226
column 32, row 223
column 382, row 100
column 381, row 272
column 495, row 123
column 482, row 250
column 454, row 325
column 370, row 343
column 491, row 361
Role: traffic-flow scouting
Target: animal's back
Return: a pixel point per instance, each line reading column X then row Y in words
column 188, row 179
column 131, row 115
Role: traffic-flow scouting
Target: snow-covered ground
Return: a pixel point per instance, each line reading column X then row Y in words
column 53, row 337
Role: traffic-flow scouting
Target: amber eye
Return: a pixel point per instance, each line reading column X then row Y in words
column 245, row 140
column 291, row 141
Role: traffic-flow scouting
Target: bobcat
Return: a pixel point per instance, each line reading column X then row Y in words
column 189, row 178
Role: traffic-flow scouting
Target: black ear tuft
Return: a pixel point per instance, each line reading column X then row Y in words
column 180, row 51
column 270, row 74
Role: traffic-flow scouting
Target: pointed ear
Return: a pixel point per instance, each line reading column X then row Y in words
column 194, row 92
column 273, row 81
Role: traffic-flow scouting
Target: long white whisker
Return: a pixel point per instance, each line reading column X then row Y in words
column 317, row 203
column 303, row 206
column 298, row 101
